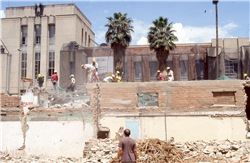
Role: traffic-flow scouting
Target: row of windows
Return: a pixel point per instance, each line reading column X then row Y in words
column 37, row 60
column 231, row 69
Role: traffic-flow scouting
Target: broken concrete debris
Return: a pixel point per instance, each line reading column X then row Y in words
column 155, row 150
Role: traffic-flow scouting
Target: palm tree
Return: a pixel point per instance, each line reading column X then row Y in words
column 118, row 35
column 161, row 40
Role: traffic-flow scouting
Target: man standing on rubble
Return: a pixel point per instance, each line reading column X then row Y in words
column 127, row 149
column 40, row 80
column 90, row 71
column 54, row 79
column 72, row 84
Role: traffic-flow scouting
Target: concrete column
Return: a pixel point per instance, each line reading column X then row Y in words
column 191, row 67
column 44, row 49
column 130, row 69
column 145, row 67
column 30, row 48
column 176, row 67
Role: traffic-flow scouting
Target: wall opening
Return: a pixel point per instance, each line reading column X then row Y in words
column 247, row 90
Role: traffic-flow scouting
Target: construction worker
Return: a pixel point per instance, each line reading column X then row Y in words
column 109, row 79
column 54, row 80
column 246, row 77
column 72, row 84
column 159, row 76
column 170, row 75
column 96, row 77
column 90, row 71
column 118, row 76
column 40, row 80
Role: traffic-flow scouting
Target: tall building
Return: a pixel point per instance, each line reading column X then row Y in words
column 40, row 31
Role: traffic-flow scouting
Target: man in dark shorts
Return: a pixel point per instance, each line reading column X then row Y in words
column 127, row 149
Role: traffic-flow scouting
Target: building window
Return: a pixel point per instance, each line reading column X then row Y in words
column 138, row 71
column 24, row 35
column 37, row 64
column 51, row 51
column 24, row 65
column 85, row 39
column 89, row 41
column 231, row 68
column 22, row 92
column 153, row 70
column 38, row 34
column 82, row 37
column 24, row 51
column 51, row 63
column 199, row 64
column 184, row 69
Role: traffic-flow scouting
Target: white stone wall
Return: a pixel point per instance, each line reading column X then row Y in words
column 50, row 138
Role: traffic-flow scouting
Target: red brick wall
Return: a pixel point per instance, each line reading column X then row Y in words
column 173, row 96
column 9, row 101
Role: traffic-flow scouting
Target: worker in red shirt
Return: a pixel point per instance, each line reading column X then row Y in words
column 54, row 79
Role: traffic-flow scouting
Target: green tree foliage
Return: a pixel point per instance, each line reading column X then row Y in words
column 161, row 39
column 119, row 36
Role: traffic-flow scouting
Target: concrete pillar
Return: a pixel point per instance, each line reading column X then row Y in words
column 30, row 48
column 44, row 49
column 191, row 67
column 146, row 70
column 130, row 69
column 176, row 67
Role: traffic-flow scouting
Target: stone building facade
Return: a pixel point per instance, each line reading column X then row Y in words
column 40, row 31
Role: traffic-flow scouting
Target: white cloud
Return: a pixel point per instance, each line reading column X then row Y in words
column 140, row 30
column 2, row 14
column 142, row 41
column 100, row 37
column 190, row 34
column 106, row 11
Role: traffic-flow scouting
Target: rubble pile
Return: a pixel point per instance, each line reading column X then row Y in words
column 8, row 158
column 155, row 150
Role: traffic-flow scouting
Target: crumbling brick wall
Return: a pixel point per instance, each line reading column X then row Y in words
column 9, row 101
column 181, row 96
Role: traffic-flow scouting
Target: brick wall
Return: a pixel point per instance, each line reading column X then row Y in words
column 9, row 101
column 174, row 96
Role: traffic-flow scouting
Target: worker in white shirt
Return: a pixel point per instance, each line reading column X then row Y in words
column 90, row 71
column 95, row 64
column 170, row 75
column 109, row 79
column 72, row 84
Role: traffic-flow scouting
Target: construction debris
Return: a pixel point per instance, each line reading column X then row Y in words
column 157, row 151
column 153, row 151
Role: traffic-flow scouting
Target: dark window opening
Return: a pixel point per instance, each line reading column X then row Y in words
column 199, row 64
column 138, row 71
column 102, row 134
column 231, row 68
column 37, row 64
column 184, row 70
column 153, row 70
column 72, row 67
column 24, row 65
column 51, row 63
column 22, row 92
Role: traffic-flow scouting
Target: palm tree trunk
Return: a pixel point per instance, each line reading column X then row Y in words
column 119, row 57
column 162, row 56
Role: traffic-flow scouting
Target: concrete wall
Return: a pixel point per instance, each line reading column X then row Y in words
column 54, row 133
column 183, row 128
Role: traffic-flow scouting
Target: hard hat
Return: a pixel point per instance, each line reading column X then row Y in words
column 55, row 71
column 113, row 75
column 168, row 68
column 117, row 72
column 39, row 75
column 72, row 75
column 245, row 74
column 158, row 71
column 93, row 60
column 82, row 66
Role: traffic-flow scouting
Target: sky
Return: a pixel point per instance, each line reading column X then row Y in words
column 194, row 21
